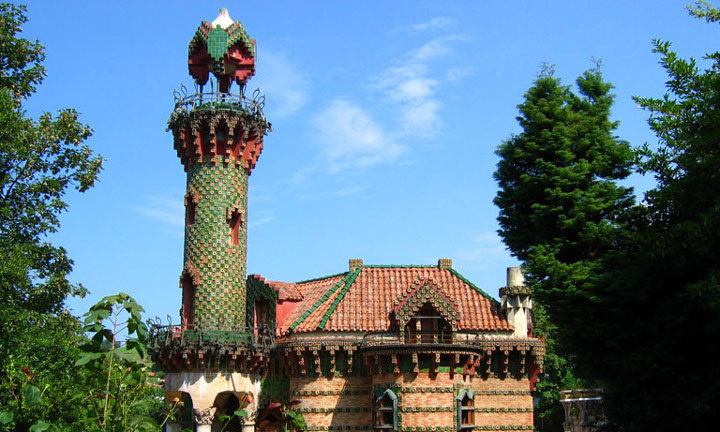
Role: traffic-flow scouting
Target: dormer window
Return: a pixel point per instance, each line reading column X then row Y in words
column 427, row 326
column 385, row 410
column 465, row 410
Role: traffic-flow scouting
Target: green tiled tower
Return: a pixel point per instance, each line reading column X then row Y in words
column 218, row 137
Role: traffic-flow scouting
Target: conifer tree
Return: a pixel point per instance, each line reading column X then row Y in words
column 561, row 210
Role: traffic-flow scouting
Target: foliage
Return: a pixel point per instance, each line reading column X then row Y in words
column 561, row 210
column 127, row 399
column 659, row 298
column 39, row 161
column 290, row 421
column 558, row 375
column 634, row 290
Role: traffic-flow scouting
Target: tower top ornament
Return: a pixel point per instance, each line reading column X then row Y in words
column 223, row 48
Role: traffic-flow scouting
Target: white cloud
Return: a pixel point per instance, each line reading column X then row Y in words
column 455, row 74
column 436, row 23
column 438, row 47
column 170, row 212
column 351, row 138
column 421, row 118
column 284, row 86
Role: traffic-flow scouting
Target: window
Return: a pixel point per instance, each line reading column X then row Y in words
column 427, row 326
column 234, row 221
column 385, row 410
column 188, row 299
column 466, row 410
column 190, row 204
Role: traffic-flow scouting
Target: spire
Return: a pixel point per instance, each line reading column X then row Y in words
column 223, row 20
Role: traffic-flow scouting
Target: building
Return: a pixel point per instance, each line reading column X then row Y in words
column 376, row 347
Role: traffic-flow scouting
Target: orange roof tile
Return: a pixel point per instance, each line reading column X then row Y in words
column 363, row 300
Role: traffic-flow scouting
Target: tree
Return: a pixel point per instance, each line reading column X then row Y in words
column 639, row 308
column 659, row 296
column 561, row 210
column 39, row 161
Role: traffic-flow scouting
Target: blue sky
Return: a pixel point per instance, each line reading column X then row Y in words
column 385, row 115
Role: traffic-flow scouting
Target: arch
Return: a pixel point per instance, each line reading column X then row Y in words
column 180, row 406
column 227, row 403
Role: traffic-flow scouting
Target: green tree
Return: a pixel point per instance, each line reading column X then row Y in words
column 561, row 210
column 659, row 297
column 40, row 159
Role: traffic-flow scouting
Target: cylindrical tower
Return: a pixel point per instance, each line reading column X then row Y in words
column 213, row 362
column 218, row 136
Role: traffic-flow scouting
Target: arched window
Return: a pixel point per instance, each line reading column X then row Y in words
column 385, row 410
column 465, row 410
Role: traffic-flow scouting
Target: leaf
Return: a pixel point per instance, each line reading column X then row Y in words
column 87, row 357
column 40, row 426
column 240, row 413
column 6, row 417
column 31, row 395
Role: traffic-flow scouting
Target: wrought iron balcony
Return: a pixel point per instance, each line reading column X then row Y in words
column 219, row 101
column 197, row 337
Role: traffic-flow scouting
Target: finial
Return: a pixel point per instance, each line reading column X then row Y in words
column 223, row 20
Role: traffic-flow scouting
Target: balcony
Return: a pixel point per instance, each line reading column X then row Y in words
column 218, row 101
column 204, row 338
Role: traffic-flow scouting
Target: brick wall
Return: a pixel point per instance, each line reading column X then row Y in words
column 425, row 401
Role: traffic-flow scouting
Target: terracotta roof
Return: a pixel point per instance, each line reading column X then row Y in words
column 286, row 290
column 364, row 298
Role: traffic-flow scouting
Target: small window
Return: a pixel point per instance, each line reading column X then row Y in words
column 466, row 410
column 190, row 205
column 188, row 299
column 385, row 410
column 234, row 221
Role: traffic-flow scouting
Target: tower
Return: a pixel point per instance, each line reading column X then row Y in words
column 218, row 136
column 214, row 359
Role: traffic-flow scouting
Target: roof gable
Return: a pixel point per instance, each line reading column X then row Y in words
column 422, row 291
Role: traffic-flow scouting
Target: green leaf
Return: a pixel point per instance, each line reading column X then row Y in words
column 6, row 417
column 40, row 426
column 31, row 395
column 240, row 413
column 87, row 357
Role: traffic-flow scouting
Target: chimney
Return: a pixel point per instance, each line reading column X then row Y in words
column 355, row 263
column 444, row 263
column 516, row 301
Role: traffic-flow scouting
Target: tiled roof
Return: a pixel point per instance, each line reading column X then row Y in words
column 364, row 298
column 285, row 290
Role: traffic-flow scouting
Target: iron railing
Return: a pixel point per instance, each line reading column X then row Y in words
column 426, row 338
column 215, row 100
column 198, row 336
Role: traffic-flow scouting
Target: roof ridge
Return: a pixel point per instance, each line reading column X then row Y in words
column 472, row 285
column 340, row 297
column 319, row 278
column 320, row 301
column 400, row 266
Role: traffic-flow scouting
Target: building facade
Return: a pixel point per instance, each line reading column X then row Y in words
column 377, row 347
